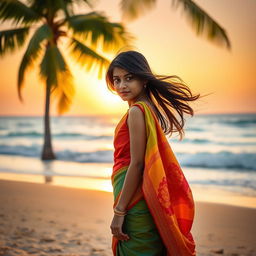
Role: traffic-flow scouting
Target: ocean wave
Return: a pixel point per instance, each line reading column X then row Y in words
column 99, row 156
column 211, row 142
column 20, row 150
column 24, row 124
column 194, row 129
column 250, row 135
column 223, row 159
column 30, row 134
column 240, row 122
column 194, row 141
column 23, row 134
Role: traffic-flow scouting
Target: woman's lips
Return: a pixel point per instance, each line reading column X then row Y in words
column 124, row 93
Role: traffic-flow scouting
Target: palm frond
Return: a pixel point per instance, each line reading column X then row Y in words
column 89, row 3
column 87, row 57
column 12, row 39
column 80, row 3
column 55, row 71
column 67, row 6
column 16, row 11
column 64, row 91
column 49, row 9
column 120, row 37
column 132, row 9
column 96, row 28
column 32, row 52
column 62, row 5
column 202, row 22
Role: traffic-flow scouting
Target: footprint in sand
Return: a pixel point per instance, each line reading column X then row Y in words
column 6, row 250
column 79, row 234
column 218, row 251
column 97, row 249
column 240, row 247
column 60, row 235
column 64, row 229
column 30, row 249
column 23, row 231
column 75, row 241
column 47, row 239
column 53, row 249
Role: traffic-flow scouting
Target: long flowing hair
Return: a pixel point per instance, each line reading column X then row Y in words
column 169, row 94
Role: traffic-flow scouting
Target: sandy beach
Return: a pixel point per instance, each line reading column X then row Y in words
column 42, row 219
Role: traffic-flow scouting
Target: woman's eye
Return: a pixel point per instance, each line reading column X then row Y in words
column 128, row 78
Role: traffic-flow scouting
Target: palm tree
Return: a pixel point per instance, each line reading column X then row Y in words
column 45, row 22
column 202, row 23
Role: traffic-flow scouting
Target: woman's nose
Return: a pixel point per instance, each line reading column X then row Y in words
column 122, row 84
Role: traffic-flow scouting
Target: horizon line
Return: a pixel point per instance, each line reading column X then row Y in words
column 102, row 115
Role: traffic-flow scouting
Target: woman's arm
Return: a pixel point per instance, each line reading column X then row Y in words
column 137, row 134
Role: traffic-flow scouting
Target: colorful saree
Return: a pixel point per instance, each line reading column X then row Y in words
column 161, row 213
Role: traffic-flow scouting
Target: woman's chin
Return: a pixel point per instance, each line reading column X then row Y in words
column 124, row 97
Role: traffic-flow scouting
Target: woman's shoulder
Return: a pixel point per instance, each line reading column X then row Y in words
column 135, row 107
column 142, row 105
column 136, row 111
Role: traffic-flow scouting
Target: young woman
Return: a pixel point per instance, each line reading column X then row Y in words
column 153, row 203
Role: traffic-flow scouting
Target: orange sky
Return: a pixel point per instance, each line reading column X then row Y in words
column 172, row 48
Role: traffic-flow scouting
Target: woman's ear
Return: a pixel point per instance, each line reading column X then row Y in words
column 144, row 81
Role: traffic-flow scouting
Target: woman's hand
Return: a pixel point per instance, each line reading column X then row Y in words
column 116, row 228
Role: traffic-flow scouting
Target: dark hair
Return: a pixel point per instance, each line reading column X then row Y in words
column 166, row 94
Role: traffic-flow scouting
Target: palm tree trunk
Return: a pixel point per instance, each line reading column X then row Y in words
column 47, row 153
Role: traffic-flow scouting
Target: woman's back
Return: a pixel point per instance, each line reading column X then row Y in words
column 122, row 141
column 139, row 223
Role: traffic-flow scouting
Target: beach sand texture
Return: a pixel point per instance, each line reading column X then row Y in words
column 42, row 219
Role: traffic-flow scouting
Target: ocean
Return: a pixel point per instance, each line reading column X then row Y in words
column 218, row 150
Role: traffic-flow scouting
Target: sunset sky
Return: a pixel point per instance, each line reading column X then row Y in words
column 171, row 47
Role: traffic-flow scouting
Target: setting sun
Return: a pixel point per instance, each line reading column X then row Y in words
column 93, row 94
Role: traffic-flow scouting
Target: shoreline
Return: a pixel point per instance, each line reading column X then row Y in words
column 200, row 194
column 40, row 219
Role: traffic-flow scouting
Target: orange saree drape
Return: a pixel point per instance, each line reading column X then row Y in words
column 165, row 190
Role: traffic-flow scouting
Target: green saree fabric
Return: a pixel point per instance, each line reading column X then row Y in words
column 145, row 239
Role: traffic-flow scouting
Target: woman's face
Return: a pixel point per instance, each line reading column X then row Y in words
column 128, row 86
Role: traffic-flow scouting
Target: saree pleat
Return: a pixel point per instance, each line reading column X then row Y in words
column 145, row 239
column 161, row 212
